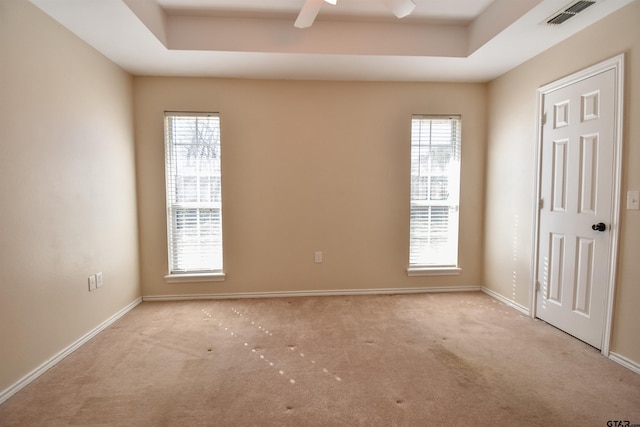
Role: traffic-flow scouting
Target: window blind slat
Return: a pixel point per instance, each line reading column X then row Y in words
column 194, row 192
column 435, row 176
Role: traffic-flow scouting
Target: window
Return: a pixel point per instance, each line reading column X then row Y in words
column 194, row 196
column 435, row 185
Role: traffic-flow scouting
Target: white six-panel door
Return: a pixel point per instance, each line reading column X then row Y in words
column 576, row 187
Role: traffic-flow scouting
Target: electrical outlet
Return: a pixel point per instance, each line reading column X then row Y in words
column 92, row 283
column 318, row 256
column 99, row 280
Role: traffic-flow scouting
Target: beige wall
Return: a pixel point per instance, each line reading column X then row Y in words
column 67, row 187
column 309, row 166
column 510, row 167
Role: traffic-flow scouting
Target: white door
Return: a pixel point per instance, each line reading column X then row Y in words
column 577, row 190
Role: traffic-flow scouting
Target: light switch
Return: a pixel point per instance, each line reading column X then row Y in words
column 92, row 283
column 633, row 199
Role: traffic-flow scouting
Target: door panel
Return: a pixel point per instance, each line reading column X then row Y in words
column 588, row 165
column 583, row 283
column 556, row 256
column 559, row 178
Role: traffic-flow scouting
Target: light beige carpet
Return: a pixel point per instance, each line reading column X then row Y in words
column 390, row 360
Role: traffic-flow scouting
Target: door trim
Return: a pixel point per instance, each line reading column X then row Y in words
column 617, row 64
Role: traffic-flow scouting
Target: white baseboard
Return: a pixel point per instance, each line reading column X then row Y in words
column 627, row 363
column 504, row 300
column 335, row 292
column 23, row 382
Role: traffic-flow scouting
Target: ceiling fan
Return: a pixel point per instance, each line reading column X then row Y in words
column 310, row 9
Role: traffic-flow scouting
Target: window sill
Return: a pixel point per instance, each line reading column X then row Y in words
column 433, row 271
column 195, row 277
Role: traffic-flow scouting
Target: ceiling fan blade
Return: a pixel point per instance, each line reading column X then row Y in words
column 308, row 13
column 401, row 8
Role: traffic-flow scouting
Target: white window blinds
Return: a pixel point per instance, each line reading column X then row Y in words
column 194, row 198
column 435, row 185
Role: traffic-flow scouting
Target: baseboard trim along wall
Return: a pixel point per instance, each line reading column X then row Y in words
column 504, row 300
column 629, row 364
column 6, row 394
column 335, row 292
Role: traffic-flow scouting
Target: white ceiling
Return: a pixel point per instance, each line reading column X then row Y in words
column 442, row 40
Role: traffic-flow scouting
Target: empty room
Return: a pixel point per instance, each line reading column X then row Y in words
column 315, row 212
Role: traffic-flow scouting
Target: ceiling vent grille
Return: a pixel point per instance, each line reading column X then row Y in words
column 570, row 11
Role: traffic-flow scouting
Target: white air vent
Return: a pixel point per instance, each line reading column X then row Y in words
column 570, row 11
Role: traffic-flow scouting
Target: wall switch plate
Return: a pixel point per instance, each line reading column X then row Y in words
column 633, row 199
column 92, row 283
column 318, row 256
column 99, row 280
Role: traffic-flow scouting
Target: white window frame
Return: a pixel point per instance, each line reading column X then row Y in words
column 420, row 262
column 195, row 257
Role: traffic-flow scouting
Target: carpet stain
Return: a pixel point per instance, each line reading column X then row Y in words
column 465, row 372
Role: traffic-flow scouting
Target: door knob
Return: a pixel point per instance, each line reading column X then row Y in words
column 599, row 226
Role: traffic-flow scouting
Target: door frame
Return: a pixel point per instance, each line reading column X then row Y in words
column 617, row 64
